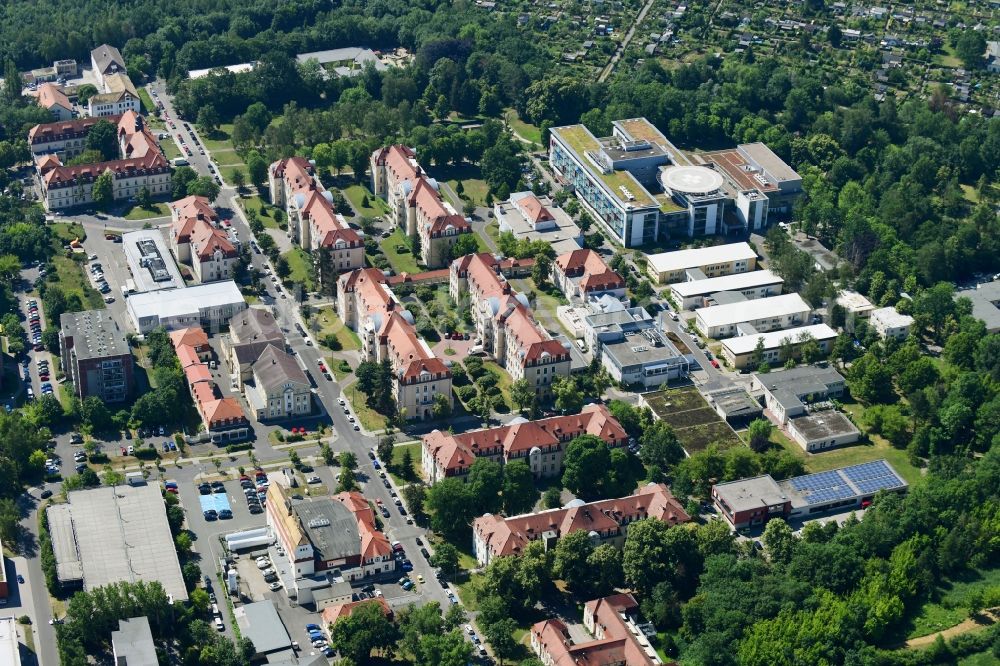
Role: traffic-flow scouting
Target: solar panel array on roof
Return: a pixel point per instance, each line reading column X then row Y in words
column 873, row 476
column 823, row 487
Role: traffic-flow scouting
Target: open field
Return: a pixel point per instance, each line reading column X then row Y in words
column 369, row 418
column 397, row 462
column 136, row 212
column 220, row 139
column 70, row 278
column 331, row 324
column 523, row 129
column 951, row 605
column 300, row 262
column 356, row 195
column 265, row 211
column 402, row 262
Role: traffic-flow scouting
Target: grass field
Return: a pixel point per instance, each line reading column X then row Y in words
column 137, row 213
column 170, row 149
column 369, row 418
column 356, row 195
column 265, row 211
column 302, row 271
column 70, row 278
column 220, row 139
column 695, row 423
column 402, row 262
column 523, row 129
column 67, row 232
column 952, row 604
column 397, row 463
column 503, row 381
column 331, row 324
column 147, row 102
column 474, row 188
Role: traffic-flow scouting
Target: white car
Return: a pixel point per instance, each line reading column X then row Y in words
column 468, row 628
column 269, row 571
column 341, row 402
column 275, row 586
column 263, row 563
column 218, row 624
column 314, row 479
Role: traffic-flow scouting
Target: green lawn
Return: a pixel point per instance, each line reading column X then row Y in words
column 265, row 211
column 402, row 262
column 228, row 171
column 332, row 324
column 504, row 380
column 953, row 605
column 220, row 139
column 855, row 454
column 339, row 371
column 301, row 264
column 170, row 149
column 67, row 232
column 397, row 463
column 70, row 278
column 135, row 212
column 356, row 195
column 523, row 129
column 369, row 418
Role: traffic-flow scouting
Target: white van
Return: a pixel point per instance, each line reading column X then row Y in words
column 215, row 610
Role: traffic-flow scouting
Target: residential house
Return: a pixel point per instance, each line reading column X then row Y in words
column 606, row 521
column 52, row 98
column 312, row 221
column 118, row 97
column 106, row 60
column 614, row 635
column 367, row 305
column 583, row 275
column 541, row 444
column 280, row 388
column 251, row 333
column 505, row 325
column 416, row 205
column 890, row 323
column 195, row 239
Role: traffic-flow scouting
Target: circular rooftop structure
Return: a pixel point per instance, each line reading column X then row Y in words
column 691, row 179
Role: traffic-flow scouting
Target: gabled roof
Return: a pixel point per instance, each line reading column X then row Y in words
column 207, row 240
column 187, row 355
column 253, row 325
column 46, row 132
column 104, row 56
column 275, row 368
column 50, row 95
column 411, row 356
column 194, row 337
column 399, row 160
column 194, row 206
column 222, row 411
column 534, row 210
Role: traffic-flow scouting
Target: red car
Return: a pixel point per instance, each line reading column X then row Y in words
column 715, row 364
column 43, row 376
column 322, row 368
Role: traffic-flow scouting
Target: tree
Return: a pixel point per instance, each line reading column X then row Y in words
column 366, row 629
column 10, row 519
column 13, row 84
column 500, row 636
column 759, row 434
column 778, row 540
column 452, row 506
column 96, row 414
column 970, row 47
column 522, row 394
column 585, row 465
column 518, row 491
column 445, row 557
column 384, row 449
column 551, row 498
column 541, row 271
column 660, row 449
column 103, row 192
column 485, row 479
column 257, row 168
column 441, row 407
column 415, row 495
column 654, row 553
column 208, row 120
column 239, row 179
column 466, row 244
column 179, row 181
column 605, row 565
column 204, row 186
column 85, row 92
column 571, row 563
column 347, row 482
column 568, row 398
column 103, row 137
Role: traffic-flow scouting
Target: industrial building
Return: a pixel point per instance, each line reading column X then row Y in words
column 132, row 644
column 95, row 355
column 115, row 533
column 149, row 261
column 10, row 648
column 752, row 502
column 260, row 622
column 701, row 263
column 763, row 315
column 739, row 351
column 695, row 294
column 632, row 348
column 640, row 187
column 210, row 306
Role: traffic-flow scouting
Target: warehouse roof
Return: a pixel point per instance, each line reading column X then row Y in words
column 726, row 283
column 678, row 260
column 732, row 313
column 174, row 302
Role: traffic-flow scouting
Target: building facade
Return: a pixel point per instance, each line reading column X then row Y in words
column 52, row 98
column 416, row 205
column 701, row 263
column 634, row 350
column 891, row 324
column 280, row 388
column 606, row 520
column 106, row 60
column 195, row 239
column 762, row 315
column 739, row 352
column 694, row 294
column 368, row 307
column 537, row 218
column 95, row 356
column 541, row 444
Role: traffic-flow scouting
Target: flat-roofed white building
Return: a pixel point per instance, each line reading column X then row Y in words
column 755, row 284
column 738, row 351
column 764, row 314
column 537, row 218
column 210, row 306
column 855, row 303
column 714, row 261
column 889, row 323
